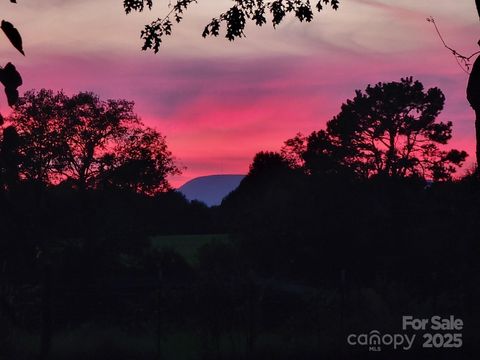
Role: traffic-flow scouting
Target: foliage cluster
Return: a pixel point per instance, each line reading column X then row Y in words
column 234, row 19
column 86, row 142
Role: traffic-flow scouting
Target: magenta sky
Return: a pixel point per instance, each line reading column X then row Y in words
column 219, row 103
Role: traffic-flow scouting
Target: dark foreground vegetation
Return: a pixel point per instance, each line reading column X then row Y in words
column 342, row 232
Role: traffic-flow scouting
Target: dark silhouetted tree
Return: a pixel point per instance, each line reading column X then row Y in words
column 39, row 118
column 391, row 129
column 293, row 150
column 9, row 158
column 89, row 142
column 473, row 97
column 473, row 86
column 317, row 154
column 140, row 162
column 325, row 156
column 268, row 163
column 92, row 128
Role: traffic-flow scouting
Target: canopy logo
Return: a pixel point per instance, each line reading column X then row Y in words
column 375, row 340
column 437, row 332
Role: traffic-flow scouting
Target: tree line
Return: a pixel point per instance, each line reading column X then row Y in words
column 355, row 219
column 388, row 130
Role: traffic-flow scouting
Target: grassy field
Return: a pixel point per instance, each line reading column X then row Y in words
column 188, row 245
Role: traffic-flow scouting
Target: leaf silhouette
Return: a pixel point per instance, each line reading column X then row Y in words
column 13, row 35
column 11, row 79
column 12, row 96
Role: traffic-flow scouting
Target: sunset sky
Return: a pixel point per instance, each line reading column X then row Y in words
column 218, row 103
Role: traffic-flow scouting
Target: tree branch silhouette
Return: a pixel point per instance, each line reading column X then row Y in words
column 461, row 59
column 234, row 19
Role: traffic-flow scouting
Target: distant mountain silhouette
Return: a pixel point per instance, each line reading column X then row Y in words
column 210, row 189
